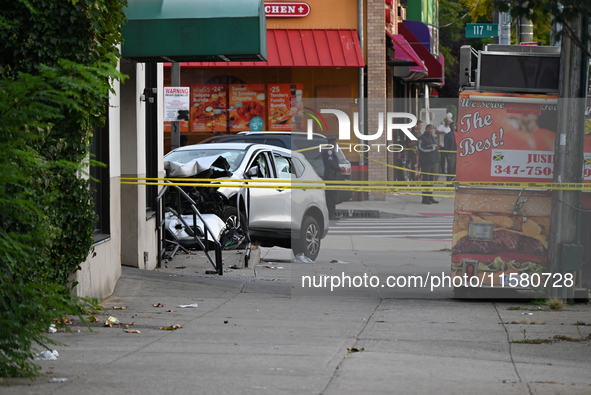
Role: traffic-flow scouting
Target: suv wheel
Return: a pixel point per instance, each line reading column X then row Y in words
column 309, row 241
column 230, row 217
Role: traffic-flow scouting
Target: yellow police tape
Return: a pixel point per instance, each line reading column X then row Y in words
column 406, row 169
column 359, row 186
column 255, row 184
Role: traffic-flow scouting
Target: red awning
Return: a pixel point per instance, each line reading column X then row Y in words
column 404, row 51
column 303, row 48
column 434, row 65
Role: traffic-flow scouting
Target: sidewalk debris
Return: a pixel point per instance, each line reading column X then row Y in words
column 111, row 321
column 57, row 380
column 353, row 349
column 47, row 355
column 188, row 305
column 339, row 262
column 303, row 259
column 170, row 328
column 52, row 328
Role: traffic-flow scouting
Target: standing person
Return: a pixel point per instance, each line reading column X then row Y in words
column 428, row 160
column 450, row 157
column 413, row 155
column 332, row 171
column 441, row 132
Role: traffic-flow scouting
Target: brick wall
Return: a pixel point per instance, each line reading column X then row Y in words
column 375, row 42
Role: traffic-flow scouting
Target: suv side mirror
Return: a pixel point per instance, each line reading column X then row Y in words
column 253, row 172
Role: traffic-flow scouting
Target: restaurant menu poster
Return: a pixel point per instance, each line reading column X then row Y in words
column 247, row 107
column 209, row 108
column 285, row 107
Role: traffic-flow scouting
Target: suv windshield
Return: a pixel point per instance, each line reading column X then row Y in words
column 233, row 156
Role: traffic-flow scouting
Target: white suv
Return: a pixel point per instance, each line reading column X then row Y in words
column 297, row 141
column 276, row 216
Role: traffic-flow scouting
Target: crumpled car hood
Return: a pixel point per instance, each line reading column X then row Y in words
column 207, row 167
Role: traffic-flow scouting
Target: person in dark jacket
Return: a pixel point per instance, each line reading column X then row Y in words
column 332, row 171
column 449, row 144
column 428, row 160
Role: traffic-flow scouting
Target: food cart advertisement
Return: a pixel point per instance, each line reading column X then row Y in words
column 500, row 234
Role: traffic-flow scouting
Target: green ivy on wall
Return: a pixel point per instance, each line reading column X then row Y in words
column 57, row 63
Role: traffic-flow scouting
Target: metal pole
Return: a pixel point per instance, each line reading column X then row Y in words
column 568, row 152
column 504, row 28
column 361, row 74
column 175, row 133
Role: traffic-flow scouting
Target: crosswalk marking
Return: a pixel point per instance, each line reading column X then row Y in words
column 419, row 227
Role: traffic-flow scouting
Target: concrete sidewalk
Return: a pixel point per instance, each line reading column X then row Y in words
column 260, row 335
column 259, row 330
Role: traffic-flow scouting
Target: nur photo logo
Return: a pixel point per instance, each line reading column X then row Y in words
column 388, row 122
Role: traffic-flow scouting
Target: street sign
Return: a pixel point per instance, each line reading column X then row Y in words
column 481, row 30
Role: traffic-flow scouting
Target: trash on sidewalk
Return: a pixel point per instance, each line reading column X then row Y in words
column 158, row 305
column 52, row 328
column 111, row 321
column 273, row 267
column 131, row 331
column 188, row 305
column 47, row 355
column 353, row 349
column 527, row 313
column 170, row 328
column 303, row 259
column 338, row 261
column 57, row 380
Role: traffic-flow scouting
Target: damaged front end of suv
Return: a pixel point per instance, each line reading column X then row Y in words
column 197, row 210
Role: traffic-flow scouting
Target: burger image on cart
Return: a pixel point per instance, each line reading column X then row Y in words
column 499, row 233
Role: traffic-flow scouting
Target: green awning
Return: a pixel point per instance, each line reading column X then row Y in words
column 194, row 30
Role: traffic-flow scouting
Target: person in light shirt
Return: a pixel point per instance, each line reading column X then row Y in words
column 440, row 133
